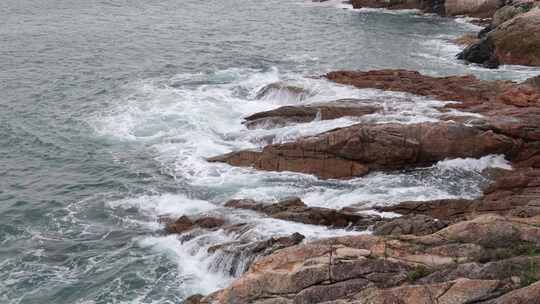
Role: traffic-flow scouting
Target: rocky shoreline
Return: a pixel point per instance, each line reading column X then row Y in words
column 483, row 250
column 512, row 34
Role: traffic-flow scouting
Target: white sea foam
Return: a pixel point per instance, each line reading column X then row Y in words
column 477, row 165
column 164, row 204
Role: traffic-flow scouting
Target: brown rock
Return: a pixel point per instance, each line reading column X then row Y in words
column 305, row 113
column 194, row 299
column 459, row 291
column 184, row 224
column 456, row 88
column 353, row 151
column 526, row 295
column 517, row 41
column 293, row 209
column 181, row 225
column 414, row 224
column 476, row 8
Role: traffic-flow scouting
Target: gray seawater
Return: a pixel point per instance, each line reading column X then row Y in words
column 109, row 107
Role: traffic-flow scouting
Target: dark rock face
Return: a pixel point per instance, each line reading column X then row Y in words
column 456, row 88
column 481, row 53
column 293, row 209
column 353, row 151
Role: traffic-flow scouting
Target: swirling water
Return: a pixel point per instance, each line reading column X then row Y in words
column 109, row 108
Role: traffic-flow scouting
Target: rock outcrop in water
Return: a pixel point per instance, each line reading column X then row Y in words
column 293, row 209
column 287, row 115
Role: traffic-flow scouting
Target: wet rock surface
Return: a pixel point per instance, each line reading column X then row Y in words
column 287, row 115
column 293, row 209
column 354, row 151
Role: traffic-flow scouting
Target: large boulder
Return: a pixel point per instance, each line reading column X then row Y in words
column 472, row 8
column 354, row 151
column 516, row 41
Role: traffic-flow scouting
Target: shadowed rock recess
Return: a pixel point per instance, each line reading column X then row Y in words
column 484, row 250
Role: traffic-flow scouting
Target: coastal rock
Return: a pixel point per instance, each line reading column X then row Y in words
column 356, row 269
column 293, row 209
column 286, row 115
column 427, row 6
column 481, row 52
column 472, row 8
column 454, row 88
column 466, row 40
column 458, row 291
column 494, row 270
column 504, row 14
column 525, row 295
column 414, row 224
column 184, row 224
column 515, row 41
column 354, row 150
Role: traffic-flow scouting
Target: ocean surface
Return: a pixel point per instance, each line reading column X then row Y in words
column 108, row 109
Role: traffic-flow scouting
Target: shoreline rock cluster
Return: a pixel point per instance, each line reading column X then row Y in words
column 484, row 250
column 512, row 34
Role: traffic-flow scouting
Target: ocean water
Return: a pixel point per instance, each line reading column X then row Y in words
column 108, row 109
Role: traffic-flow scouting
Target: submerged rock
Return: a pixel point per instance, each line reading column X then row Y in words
column 281, row 87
